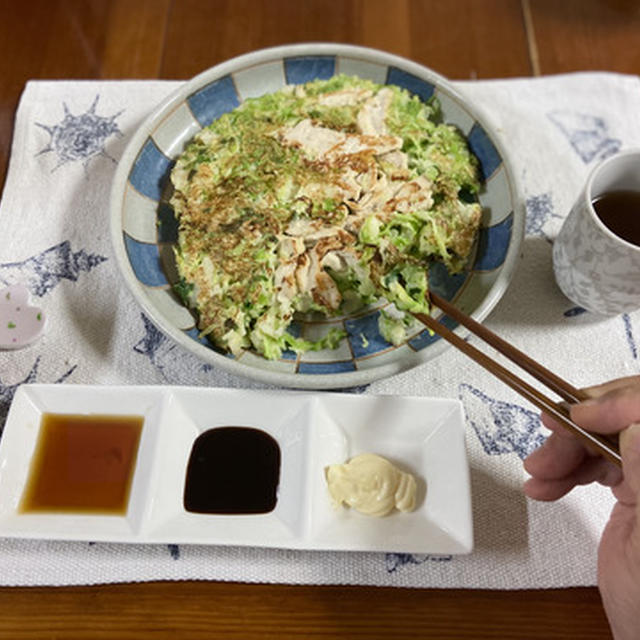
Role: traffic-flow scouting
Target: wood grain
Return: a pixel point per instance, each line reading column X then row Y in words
column 574, row 35
column 431, row 33
column 134, row 38
column 42, row 39
column 470, row 38
column 201, row 34
column 193, row 610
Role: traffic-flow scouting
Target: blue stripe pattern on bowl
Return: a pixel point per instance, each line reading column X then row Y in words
column 194, row 334
column 425, row 338
column 484, row 149
column 145, row 262
column 214, row 100
column 364, row 337
column 423, row 89
column 324, row 368
column 307, row 68
column 150, row 170
column 444, row 283
column 493, row 243
column 295, row 329
column 289, row 355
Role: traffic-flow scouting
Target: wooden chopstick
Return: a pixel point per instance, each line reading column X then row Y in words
column 566, row 391
column 560, row 412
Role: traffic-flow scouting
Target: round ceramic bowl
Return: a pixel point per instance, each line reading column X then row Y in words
column 144, row 228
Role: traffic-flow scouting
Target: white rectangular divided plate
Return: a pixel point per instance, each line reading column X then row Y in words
column 424, row 436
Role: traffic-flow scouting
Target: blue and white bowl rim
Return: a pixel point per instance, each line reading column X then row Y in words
column 275, row 54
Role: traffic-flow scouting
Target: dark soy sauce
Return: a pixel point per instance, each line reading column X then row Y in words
column 232, row 470
column 620, row 213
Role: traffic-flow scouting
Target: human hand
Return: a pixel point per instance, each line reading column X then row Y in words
column 563, row 462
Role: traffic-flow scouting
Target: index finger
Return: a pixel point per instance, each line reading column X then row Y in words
column 601, row 389
column 595, row 392
column 611, row 411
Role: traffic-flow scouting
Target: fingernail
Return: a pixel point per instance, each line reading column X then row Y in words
column 630, row 439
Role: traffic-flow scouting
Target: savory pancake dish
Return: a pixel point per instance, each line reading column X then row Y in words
column 323, row 198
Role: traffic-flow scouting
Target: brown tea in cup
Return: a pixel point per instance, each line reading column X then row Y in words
column 619, row 211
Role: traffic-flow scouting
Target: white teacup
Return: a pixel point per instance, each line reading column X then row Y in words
column 594, row 267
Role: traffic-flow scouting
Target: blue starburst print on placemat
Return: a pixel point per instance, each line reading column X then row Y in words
column 151, row 343
column 502, row 427
column 588, row 134
column 7, row 391
column 44, row 271
column 82, row 137
column 165, row 355
column 395, row 561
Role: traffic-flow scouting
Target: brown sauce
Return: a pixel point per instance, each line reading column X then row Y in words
column 233, row 470
column 83, row 464
column 620, row 213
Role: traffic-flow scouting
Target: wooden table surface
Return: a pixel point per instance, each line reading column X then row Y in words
column 176, row 39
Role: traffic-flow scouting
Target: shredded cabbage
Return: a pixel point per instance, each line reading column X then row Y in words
column 268, row 229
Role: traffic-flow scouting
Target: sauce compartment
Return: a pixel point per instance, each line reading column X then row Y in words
column 302, row 432
column 188, row 414
column 421, row 436
column 19, row 444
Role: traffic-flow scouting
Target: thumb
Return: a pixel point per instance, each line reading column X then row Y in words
column 629, row 492
column 630, row 450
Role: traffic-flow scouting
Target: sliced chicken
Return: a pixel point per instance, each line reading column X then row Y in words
column 371, row 119
column 309, row 230
column 395, row 164
column 326, row 291
column 413, row 195
column 285, row 282
column 345, row 97
column 322, row 143
column 376, row 199
column 315, row 141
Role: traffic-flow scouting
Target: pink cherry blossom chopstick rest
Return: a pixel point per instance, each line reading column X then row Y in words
column 20, row 323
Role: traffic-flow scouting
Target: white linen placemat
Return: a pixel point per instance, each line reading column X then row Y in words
column 55, row 240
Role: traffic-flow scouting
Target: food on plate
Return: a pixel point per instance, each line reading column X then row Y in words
column 322, row 197
column 371, row 485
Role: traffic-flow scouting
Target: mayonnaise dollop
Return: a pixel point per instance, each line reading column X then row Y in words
column 372, row 485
